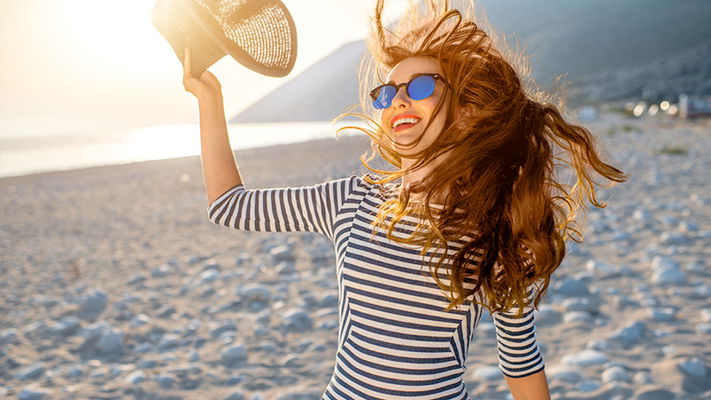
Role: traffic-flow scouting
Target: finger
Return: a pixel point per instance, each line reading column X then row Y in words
column 187, row 70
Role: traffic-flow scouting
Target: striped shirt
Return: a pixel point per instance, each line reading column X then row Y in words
column 394, row 339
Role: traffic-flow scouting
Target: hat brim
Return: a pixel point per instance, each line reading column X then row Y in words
column 184, row 23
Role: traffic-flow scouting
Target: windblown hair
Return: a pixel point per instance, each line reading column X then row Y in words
column 504, row 145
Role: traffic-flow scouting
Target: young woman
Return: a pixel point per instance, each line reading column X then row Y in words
column 478, row 220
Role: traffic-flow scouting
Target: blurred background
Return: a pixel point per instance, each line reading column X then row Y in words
column 91, row 82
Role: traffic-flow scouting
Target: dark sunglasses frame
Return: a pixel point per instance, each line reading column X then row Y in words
column 374, row 92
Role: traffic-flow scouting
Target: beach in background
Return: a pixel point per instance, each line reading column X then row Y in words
column 116, row 285
column 35, row 153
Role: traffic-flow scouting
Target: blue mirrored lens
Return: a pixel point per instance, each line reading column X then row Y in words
column 421, row 87
column 385, row 97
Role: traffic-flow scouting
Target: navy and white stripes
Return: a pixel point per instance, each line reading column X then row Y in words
column 394, row 339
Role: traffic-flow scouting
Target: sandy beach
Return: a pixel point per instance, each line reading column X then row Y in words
column 117, row 286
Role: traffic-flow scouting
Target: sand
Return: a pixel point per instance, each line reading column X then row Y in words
column 116, row 285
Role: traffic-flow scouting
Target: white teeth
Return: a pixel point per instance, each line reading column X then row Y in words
column 405, row 121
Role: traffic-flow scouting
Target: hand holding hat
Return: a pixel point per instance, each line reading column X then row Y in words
column 259, row 34
column 206, row 87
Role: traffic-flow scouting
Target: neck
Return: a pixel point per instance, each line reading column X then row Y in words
column 420, row 175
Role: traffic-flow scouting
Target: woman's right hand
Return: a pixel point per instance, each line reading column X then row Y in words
column 205, row 88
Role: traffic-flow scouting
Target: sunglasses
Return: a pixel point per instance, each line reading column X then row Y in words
column 420, row 87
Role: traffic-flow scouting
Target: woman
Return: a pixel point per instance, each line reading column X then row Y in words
column 475, row 154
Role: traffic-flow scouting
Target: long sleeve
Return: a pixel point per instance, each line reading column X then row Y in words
column 518, row 352
column 291, row 209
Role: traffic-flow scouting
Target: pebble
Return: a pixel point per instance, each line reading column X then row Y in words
column 631, row 333
column 165, row 381
column 569, row 376
column 209, row 275
column 296, row 321
column 546, row 315
column 487, row 373
column 571, row 287
column 587, row 385
column 136, row 377
column 33, row 394
column 30, row 372
column 233, row 355
column 584, row 358
column 668, row 276
column 643, row 378
column 236, row 396
column 598, row 344
column 578, row 316
column 161, row 272
column 104, row 339
column 704, row 328
column 66, row 326
column 92, row 305
column 581, row 304
column 655, row 394
column 615, row 374
column 662, row 314
column 693, row 367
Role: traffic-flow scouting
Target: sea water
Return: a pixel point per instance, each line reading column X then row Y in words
column 34, row 154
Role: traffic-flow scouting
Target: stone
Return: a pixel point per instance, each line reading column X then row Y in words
column 566, row 375
column 662, row 314
column 655, row 394
column 234, row 355
column 587, row 385
column 584, row 358
column 297, row 321
column 578, row 316
column 209, row 275
column 136, row 377
column 571, row 287
column 581, row 304
column 694, row 367
column 615, row 374
column 487, row 373
column 703, row 327
column 631, row 333
column 92, row 304
column 643, row 378
column 668, row 276
column 33, row 394
column 66, row 326
column 236, row 396
column 33, row 371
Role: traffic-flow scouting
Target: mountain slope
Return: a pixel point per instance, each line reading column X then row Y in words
column 605, row 49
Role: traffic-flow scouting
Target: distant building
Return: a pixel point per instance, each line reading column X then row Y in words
column 694, row 106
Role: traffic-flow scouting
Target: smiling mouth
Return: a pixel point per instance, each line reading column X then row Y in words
column 406, row 125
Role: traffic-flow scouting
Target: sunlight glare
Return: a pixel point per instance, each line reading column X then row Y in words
column 114, row 35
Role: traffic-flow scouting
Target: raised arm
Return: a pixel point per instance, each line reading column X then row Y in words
column 218, row 163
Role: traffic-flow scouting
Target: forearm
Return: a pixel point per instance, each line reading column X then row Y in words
column 218, row 163
column 532, row 387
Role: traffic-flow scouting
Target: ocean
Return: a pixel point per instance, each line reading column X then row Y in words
column 35, row 154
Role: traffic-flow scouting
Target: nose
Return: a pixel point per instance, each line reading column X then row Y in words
column 401, row 97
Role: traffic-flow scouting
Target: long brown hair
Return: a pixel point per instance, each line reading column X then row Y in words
column 504, row 143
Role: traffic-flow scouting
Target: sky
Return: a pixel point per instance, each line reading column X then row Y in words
column 81, row 66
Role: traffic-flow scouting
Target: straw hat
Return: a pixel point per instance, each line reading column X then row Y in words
column 259, row 34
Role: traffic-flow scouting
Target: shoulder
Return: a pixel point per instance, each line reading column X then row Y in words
column 369, row 183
